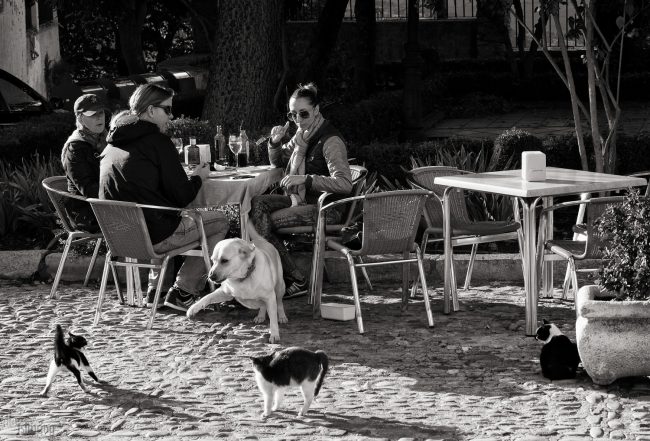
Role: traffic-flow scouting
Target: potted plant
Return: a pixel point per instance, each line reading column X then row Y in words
column 613, row 318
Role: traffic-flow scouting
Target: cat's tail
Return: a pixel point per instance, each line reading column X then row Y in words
column 324, row 363
column 59, row 344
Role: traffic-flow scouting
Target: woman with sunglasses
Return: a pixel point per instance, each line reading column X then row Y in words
column 316, row 161
column 140, row 164
column 80, row 158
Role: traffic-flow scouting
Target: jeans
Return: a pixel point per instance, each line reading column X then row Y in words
column 192, row 275
column 270, row 212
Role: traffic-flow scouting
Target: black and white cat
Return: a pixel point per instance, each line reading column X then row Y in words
column 290, row 367
column 68, row 354
column 559, row 358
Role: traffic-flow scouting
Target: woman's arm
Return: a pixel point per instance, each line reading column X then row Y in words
column 177, row 187
column 279, row 154
column 340, row 179
column 82, row 168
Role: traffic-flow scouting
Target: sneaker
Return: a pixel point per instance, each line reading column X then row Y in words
column 296, row 290
column 151, row 294
column 178, row 299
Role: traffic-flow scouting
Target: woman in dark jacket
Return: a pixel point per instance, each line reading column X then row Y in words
column 140, row 164
column 80, row 159
column 316, row 161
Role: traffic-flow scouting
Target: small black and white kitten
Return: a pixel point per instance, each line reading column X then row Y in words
column 290, row 367
column 559, row 357
column 68, row 354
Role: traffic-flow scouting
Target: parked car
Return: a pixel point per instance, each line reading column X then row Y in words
column 18, row 100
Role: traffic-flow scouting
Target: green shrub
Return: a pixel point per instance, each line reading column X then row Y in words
column 44, row 135
column 509, row 145
column 25, row 208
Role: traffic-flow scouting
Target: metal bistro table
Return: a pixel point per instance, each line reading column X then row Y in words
column 559, row 181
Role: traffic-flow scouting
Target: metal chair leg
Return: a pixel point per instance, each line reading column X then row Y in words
column 92, row 261
column 405, row 281
column 120, row 296
column 423, row 247
column 425, row 290
column 355, row 292
column 365, row 275
column 470, row 266
column 59, row 270
column 102, row 288
column 154, row 308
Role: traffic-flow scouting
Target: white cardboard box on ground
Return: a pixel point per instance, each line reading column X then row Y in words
column 337, row 311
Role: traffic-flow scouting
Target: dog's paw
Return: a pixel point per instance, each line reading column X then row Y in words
column 282, row 318
column 274, row 338
column 260, row 318
column 192, row 311
column 264, row 415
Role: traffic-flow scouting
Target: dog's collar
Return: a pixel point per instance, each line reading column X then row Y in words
column 249, row 271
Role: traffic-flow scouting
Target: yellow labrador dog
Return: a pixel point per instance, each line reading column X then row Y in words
column 251, row 273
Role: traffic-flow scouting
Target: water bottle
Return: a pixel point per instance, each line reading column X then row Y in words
column 245, row 152
column 192, row 153
column 220, row 147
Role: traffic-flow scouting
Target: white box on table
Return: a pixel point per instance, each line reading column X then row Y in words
column 337, row 311
column 533, row 166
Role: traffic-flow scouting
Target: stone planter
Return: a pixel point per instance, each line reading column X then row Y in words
column 613, row 336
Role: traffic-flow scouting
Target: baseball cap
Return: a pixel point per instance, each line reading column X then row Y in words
column 88, row 104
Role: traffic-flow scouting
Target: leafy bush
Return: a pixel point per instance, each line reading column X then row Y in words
column 25, row 208
column 476, row 104
column 509, row 145
column 44, row 135
column 627, row 255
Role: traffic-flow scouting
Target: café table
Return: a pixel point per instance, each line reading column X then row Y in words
column 558, row 182
column 237, row 187
column 226, row 187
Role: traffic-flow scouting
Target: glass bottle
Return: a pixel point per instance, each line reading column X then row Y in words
column 192, row 154
column 220, row 147
column 245, row 152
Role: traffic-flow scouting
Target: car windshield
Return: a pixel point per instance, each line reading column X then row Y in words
column 17, row 99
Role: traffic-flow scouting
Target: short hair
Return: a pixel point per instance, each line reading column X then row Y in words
column 308, row 91
column 148, row 95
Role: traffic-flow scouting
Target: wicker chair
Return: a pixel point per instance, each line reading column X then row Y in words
column 57, row 190
column 390, row 223
column 358, row 180
column 128, row 238
column 572, row 250
column 464, row 230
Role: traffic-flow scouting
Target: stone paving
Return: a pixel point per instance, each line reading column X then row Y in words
column 474, row 376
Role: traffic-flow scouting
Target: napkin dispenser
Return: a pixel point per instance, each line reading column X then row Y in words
column 533, row 166
column 204, row 153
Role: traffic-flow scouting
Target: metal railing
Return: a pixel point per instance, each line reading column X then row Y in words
column 308, row 10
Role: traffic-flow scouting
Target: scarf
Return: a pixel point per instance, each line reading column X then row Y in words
column 97, row 140
column 297, row 160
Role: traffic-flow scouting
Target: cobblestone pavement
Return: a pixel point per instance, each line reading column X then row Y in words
column 474, row 376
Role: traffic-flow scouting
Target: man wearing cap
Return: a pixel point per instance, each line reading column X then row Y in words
column 80, row 158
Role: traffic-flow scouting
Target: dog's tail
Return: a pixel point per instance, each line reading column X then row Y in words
column 252, row 232
column 324, row 363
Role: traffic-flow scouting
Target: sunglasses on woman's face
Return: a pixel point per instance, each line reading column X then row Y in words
column 303, row 114
column 166, row 109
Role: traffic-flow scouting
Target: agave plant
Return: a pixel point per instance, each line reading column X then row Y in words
column 481, row 206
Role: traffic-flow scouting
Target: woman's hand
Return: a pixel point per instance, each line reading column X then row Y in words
column 202, row 171
column 278, row 132
column 290, row 181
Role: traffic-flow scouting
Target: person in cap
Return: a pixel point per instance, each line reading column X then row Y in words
column 80, row 158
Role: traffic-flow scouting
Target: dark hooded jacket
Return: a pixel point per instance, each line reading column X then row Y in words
column 80, row 160
column 141, row 165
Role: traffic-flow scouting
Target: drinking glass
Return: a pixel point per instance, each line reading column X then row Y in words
column 234, row 143
column 178, row 143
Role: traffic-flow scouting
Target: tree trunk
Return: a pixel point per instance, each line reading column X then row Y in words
column 129, row 27
column 364, row 72
column 245, row 65
column 577, row 121
column 593, row 97
column 323, row 42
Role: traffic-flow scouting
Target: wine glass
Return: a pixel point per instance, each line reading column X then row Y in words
column 234, row 143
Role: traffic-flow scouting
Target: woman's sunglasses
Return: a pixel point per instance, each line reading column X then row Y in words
column 303, row 114
column 166, row 109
